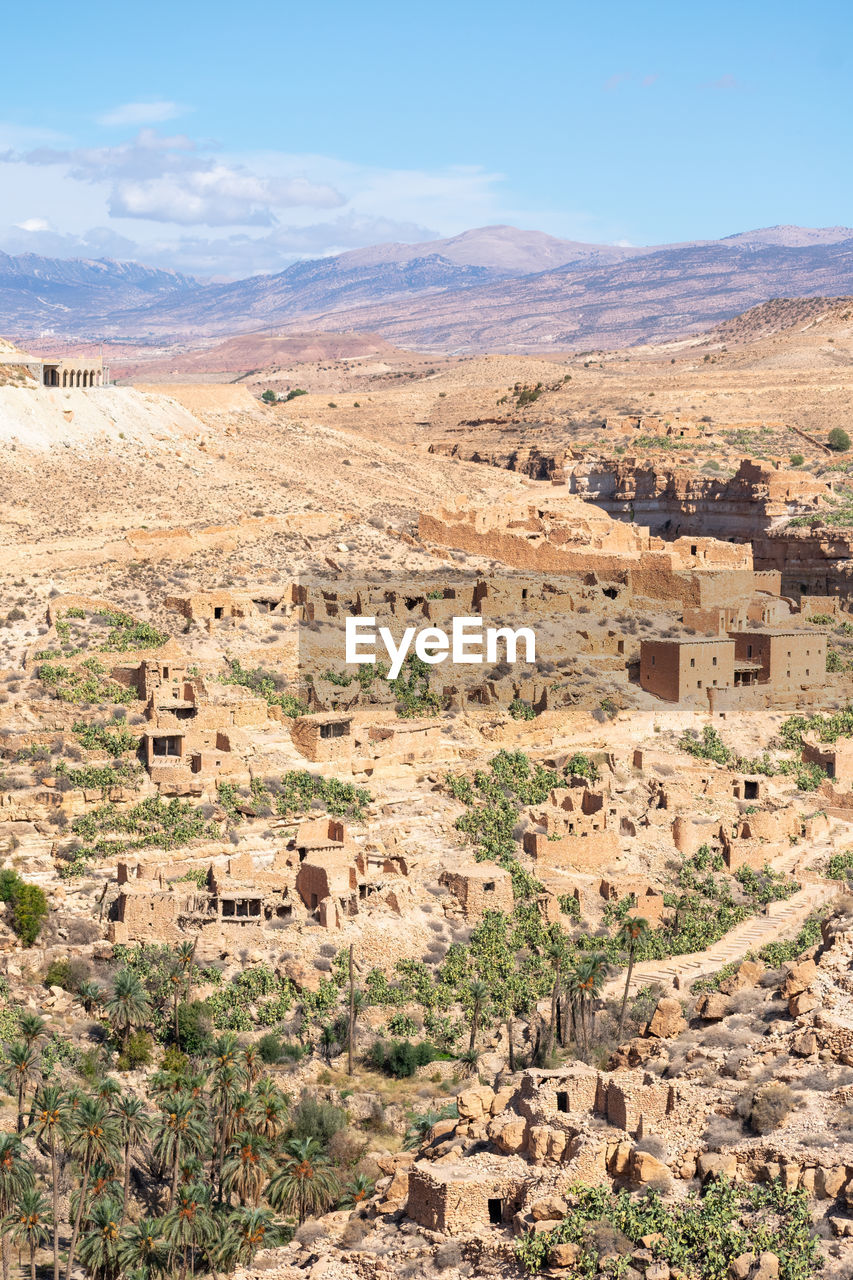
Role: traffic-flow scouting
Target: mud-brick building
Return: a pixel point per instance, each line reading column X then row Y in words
column 785, row 659
column 465, row 1194
column 479, row 887
column 682, row 667
column 323, row 736
column 835, row 758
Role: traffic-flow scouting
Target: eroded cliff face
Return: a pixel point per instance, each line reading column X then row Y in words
column 755, row 505
column 681, row 501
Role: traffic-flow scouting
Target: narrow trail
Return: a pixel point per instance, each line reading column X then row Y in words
column 779, row 922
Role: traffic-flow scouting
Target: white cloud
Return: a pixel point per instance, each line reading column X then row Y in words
column 138, row 113
column 33, row 224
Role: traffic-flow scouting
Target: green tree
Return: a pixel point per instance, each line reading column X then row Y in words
column 632, row 932
column 128, row 1005
column 31, row 1026
column 270, row 396
column 245, row 1168
column 838, row 439
column 99, row 1247
column 50, row 1112
column 181, row 1132
column 132, row 1119
column 93, row 1137
column 478, row 996
column 142, row 1249
column 188, row 1225
column 16, row 1177
column 305, row 1182
column 23, row 1066
column 28, row 1226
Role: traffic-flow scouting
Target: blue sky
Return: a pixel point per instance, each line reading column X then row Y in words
column 229, row 139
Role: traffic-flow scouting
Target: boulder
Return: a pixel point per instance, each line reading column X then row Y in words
column 508, row 1132
column 646, row 1168
column 768, row 1267
column 799, row 977
column 564, row 1255
column 740, row 1268
column 716, row 1164
column 713, row 1005
column 475, row 1103
column 667, row 1020
column 658, row 1271
column 746, row 975
column 801, row 1004
column 549, row 1209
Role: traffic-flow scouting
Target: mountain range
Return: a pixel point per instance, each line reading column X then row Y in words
column 495, row 288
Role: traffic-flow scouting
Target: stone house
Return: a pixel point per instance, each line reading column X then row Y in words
column 680, row 668
column 784, row 659
column 462, row 1195
column 479, row 887
column 323, row 736
column 835, row 758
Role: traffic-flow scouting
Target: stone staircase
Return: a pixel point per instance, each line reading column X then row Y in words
column 779, row 922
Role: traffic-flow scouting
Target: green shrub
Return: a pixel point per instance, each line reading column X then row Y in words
column 797, row 459
column 195, row 1032
column 27, row 905
column 313, row 1119
column 838, row 440
column 401, row 1058
column 137, row 1052
column 270, row 1049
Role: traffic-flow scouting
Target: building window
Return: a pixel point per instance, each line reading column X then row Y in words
column 749, row 650
column 713, row 662
column 562, row 1102
column 653, row 659
column 496, row 1211
column 698, row 684
column 693, row 662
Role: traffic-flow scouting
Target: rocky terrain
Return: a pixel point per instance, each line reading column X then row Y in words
column 535, row 966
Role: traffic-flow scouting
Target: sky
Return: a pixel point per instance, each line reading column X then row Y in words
column 225, row 140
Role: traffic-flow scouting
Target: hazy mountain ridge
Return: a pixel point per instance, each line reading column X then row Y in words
column 470, row 292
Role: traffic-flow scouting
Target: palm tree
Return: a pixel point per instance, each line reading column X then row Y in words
column 188, row 1225
column 94, row 1137
column 634, row 929
column 251, row 1063
column 99, row 1246
column 246, row 1231
column 91, row 995
column 270, row 1109
column 130, row 1112
column 142, row 1248
column 107, row 1089
column 128, row 1006
column 356, row 1191
column 305, row 1182
column 225, row 1093
column 328, row 1040
column 28, row 1226
column 589, row 979
column 478, row 994
column 31, row 1026
column 181, row 1132
column 50, row 1112
column 23, row 1065
column 185, row 956
column 16, row 1177
column 555, row 954
column 245, row 1168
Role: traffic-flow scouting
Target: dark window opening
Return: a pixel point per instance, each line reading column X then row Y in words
column 169, row 746
column 218, row 611
column 228, row 907
column 496, row 1211
column 314, row 901
column 750, row 790
column 489, row 886
column 693, row 549
column 611, row 593
column 334, row 730
column 562, row 1102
